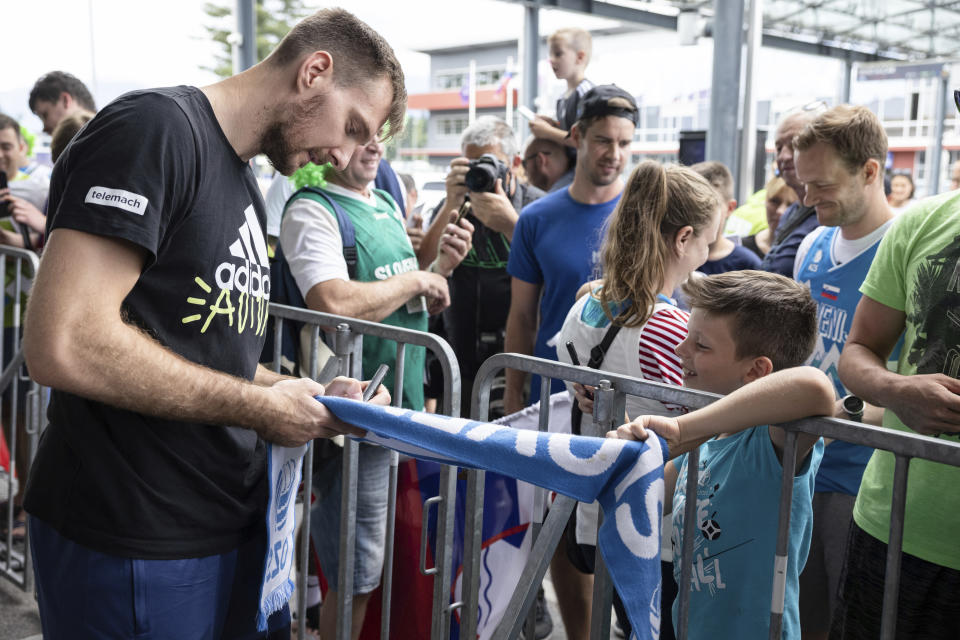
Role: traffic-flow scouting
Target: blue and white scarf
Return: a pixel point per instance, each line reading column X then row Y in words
column 284, row 470
column 626, row 477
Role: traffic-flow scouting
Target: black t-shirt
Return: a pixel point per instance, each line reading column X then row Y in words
column 155, row 168
column 567, row 105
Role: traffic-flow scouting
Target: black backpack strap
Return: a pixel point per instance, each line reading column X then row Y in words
column 597, row 354
column 348, row 236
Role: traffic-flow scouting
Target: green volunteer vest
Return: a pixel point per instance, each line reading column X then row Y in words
column 383, row 250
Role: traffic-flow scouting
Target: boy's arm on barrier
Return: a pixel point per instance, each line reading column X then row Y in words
column 929, row 403
column 520, row 338
column 76, row 340
column 782, row 396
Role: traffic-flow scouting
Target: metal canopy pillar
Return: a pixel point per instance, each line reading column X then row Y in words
column 722, row 138
column 845, row 82
column 530, row 54
column 247, row 29
column 936, row 146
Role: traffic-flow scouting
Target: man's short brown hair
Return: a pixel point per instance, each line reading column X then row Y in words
column 359, row 53
column 770, row 315
column 854, row 131
column 718, row 176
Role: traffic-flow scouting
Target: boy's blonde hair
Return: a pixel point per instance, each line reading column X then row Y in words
column 578, row 40
column 770, row 315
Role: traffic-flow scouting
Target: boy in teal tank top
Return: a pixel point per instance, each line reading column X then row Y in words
column 389, row 287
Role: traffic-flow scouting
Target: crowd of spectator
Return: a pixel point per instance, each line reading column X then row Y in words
column 151, row 470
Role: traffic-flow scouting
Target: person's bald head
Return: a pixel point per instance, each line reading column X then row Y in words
column 787, row 130
column 544, row 162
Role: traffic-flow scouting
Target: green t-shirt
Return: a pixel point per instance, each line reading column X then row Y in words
column 749, row 218
column 917, row 271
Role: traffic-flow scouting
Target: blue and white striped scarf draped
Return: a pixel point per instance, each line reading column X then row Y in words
column 625, row 477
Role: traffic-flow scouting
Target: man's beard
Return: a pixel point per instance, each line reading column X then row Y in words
column 279, row 140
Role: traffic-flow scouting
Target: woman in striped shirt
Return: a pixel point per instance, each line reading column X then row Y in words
column 658, row 234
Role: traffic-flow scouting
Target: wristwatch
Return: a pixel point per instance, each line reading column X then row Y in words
column 853, row 407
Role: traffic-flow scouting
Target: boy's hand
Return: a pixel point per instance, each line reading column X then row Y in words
column 542, row 127
column 640, row 428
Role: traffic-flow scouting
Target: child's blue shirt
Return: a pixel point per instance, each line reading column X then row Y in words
column 738, row 501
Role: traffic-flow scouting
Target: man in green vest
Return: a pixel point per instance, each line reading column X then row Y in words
column 390, row 288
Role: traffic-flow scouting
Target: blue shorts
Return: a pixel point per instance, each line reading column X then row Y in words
column 87, row 594
column 373, row 474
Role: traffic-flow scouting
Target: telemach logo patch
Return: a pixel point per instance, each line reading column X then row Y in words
column 126, row 200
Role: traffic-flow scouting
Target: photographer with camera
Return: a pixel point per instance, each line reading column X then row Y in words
column 483, row 186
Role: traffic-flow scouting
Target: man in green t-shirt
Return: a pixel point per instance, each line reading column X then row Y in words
column 913, row 288
column 389, row 287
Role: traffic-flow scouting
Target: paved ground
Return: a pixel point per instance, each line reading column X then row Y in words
column 19, row 619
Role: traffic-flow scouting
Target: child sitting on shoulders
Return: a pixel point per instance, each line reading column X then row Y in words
column 748, row 333
column 569, row 51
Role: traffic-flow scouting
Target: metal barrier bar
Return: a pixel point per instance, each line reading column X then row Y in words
column 539, row 499
column 348, row 353
column 789, row 470
column 15, row 563
column 346, row 343
column 387, row 580
column 891, row 587
column 605, row 412
column 904, row 445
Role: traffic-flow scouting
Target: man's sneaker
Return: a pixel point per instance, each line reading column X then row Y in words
column 544, row 623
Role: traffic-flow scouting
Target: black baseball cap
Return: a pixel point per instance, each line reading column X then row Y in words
column 608, row 100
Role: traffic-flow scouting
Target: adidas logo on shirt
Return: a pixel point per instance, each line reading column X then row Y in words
column 252, row 275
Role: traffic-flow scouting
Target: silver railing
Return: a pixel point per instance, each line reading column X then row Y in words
column 609, row 405
column 348, row 349
column 18, row 267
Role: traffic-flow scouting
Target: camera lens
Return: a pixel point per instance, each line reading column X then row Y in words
column 481, row 177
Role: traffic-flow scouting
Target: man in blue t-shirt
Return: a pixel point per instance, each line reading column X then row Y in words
column 839, row 157
column 557, row 239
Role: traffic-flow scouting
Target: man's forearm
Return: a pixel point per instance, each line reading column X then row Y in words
column 520, row 338
column 123, row 366
column 865, row 374
column 371, row 301
column 267, row 378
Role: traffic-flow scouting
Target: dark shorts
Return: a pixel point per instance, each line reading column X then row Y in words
column 928, row 603
column 83, row 593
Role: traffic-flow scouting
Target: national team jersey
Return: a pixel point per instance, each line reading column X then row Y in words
column 836, row 288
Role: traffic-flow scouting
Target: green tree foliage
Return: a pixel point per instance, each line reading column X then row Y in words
column 274, row 20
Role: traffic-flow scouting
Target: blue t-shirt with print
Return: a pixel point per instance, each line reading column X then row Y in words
column 556, row 244
column 738, row 498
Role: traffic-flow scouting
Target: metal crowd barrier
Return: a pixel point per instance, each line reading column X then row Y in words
column 348, row 349
column 18, row 267
column 609, row 405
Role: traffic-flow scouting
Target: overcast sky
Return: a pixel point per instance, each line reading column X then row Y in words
column 149, row 43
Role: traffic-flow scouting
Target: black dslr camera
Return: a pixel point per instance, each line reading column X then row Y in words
column 483, row 173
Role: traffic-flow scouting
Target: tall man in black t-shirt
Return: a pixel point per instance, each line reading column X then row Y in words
column 148, row 493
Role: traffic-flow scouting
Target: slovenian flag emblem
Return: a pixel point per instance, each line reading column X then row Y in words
column 830, row 292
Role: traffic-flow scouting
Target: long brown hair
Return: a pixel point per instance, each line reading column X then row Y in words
column 657, row 202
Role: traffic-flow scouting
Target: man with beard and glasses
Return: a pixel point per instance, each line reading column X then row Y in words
column 149, row 488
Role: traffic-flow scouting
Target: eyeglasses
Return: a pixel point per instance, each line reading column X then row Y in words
column 535, row 154
column 956, row 98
